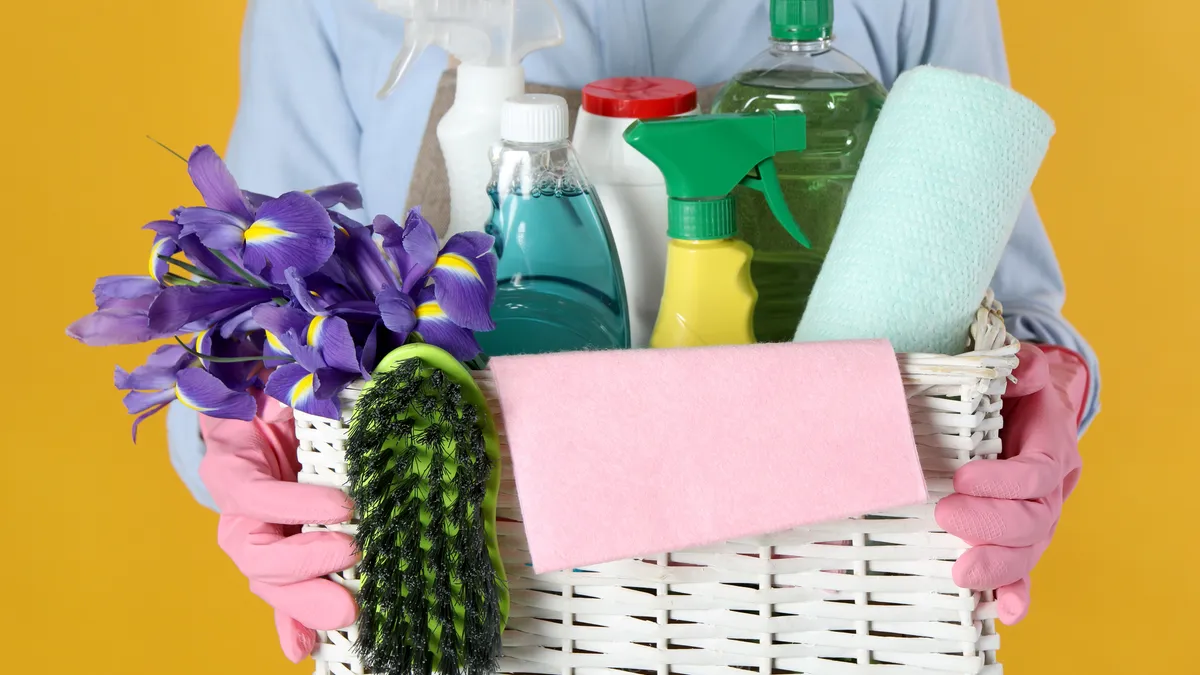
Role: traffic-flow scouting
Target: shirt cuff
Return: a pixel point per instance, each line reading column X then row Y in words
column 1037, row 325
column 187, row 449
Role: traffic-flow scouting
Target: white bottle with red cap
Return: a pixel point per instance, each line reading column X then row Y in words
column 631, row 189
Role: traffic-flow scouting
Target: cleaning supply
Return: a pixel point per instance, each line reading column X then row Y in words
column 939, row 192
column 802, row 72
column 489, row 38
column 833, row 440
column 560, row 286
column 423, row 461
column 708, row 296
column 631, row 189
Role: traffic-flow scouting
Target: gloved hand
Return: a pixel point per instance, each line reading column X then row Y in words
column 1008, row 509
column 250, row 470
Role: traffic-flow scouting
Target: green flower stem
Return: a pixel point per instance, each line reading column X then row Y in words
column 239, row 271
column 176, row 280
column 188, row 268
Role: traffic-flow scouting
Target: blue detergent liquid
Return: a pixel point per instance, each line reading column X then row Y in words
column 560, row 287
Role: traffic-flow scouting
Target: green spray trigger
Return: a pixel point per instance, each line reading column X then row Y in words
column 768, row 184
column 704, row 157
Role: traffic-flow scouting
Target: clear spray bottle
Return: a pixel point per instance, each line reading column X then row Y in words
column 489, row 38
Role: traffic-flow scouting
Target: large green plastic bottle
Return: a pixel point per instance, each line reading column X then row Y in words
column 801, row 72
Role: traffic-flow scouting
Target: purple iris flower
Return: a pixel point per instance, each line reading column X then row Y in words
column 291, row 231
column 170, row 374
column 169, row 240
column 151, row 386
column 436, row 327
column 122, row 315
column 312, row 383
column 288, row 284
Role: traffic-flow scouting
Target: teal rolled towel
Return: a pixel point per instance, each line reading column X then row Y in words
column 948, row 168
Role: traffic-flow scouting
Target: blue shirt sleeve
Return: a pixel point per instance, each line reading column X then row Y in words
column 967, row 36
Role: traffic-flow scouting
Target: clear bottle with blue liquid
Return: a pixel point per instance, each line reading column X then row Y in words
column 560, row 286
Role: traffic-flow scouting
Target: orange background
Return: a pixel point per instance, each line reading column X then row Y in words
column 109, row 567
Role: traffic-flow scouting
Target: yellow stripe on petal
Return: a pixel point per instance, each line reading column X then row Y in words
column 314, row 330
column 453, row 261
column 276, row 344
column 262, row 233
column 155, row 251
column 302, row 389
column 188, row 403
column 430, row 310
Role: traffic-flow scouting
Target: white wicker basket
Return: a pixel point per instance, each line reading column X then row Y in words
column 865, row 595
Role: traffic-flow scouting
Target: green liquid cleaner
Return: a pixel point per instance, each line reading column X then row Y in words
column 801, row 72
column 559, row 286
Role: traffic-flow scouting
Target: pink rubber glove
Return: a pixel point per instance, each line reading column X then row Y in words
column 1008, row 509
column 250, row 469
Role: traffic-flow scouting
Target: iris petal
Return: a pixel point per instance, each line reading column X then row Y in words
column 295, row 387
column 216, row 184
column 141, row 401
column 207, row 395
column 280, row 320
column 329, row 382
column 164, row 247
column 137, row 422
column 464, row 280
column 178, row 306
column 159, row 372
column 414, row 247
column 165, row 228
column 218, row 230
column 367, row 261
column 300, row 291
column 397, row 310
column 292, row 231
column 198, row 255
column 336, row 346
column 114, row 326
column 438, row 329
column 307, row 356
column 123, row 288
column 342, row 194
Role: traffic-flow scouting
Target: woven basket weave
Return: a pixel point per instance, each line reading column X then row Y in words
column 865, row 595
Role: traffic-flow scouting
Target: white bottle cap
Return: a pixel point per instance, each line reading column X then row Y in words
column 535, row 119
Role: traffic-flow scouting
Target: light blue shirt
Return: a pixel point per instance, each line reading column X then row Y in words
column 309, row 115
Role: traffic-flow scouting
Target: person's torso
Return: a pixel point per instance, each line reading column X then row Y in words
column 702, row 41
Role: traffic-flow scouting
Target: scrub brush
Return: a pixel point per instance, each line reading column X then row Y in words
column 424, row 467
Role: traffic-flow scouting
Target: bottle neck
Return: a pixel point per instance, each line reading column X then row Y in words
column 808, row 47
column 488, row 86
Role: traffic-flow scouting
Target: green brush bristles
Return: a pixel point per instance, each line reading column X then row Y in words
column 433, row 597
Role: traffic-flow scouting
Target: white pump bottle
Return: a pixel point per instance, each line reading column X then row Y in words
column 489, row 38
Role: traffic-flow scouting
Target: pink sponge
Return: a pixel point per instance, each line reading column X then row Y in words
column 622, row 454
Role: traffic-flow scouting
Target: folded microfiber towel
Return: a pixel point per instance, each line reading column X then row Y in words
column 948, row 168
column 621, row 454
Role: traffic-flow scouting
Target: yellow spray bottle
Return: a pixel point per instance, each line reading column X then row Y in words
column 709, row 298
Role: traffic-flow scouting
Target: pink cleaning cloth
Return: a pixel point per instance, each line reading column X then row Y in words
column 624, row 454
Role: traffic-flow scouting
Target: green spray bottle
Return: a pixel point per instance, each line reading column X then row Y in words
column 802, row 71
column 708, row 297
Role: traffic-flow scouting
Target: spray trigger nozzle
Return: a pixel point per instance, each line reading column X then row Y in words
column 492, row 33
column 767, row 182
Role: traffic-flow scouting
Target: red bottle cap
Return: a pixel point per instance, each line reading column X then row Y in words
column 642, row 98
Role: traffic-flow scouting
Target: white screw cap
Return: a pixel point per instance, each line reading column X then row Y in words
column 535, row 119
